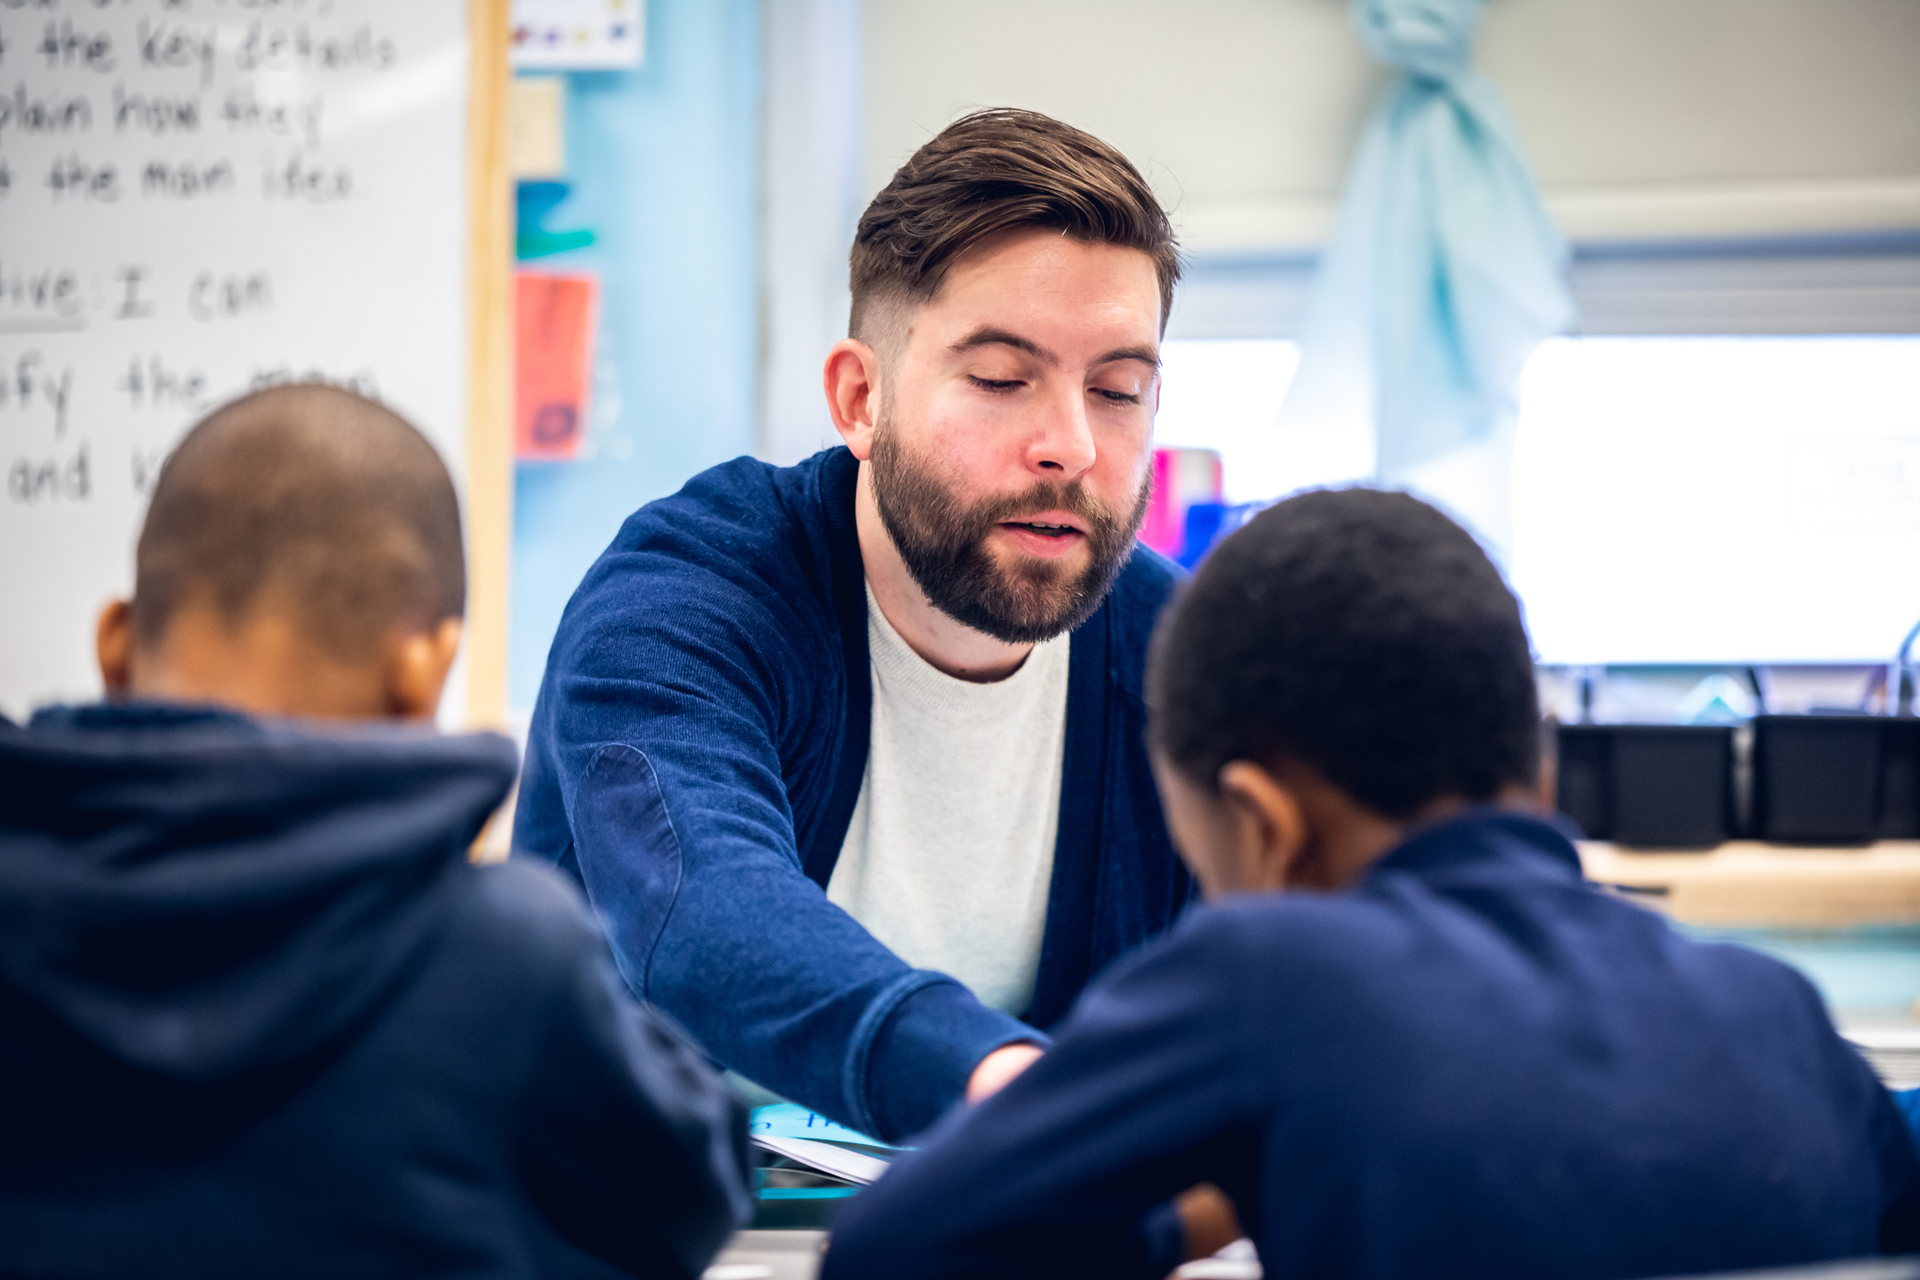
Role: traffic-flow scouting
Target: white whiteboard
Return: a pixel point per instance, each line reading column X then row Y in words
column 200, row 197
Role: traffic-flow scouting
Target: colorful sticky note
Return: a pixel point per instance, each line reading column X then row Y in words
column 553, row 362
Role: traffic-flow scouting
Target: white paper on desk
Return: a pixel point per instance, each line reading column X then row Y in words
column 824, row 1157
column 1238, row 1261
column 1892, row 1051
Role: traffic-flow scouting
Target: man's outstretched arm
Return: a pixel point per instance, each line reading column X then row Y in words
column 664, row 735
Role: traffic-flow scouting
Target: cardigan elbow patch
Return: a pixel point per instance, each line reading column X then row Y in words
column 629, row 854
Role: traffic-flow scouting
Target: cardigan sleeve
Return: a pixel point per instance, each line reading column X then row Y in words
column 669, row 695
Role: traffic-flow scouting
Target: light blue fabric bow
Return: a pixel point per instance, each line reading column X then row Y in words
column 1444, row 270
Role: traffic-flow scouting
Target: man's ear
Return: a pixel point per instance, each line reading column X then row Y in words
column 1270, row 825
column 113, row 647
column 416, row 669
column 852, row 378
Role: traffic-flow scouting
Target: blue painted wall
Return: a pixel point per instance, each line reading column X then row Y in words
column 663, row 164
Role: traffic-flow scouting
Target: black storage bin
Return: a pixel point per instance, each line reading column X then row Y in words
column 1672, row 784
column 1899, row 816
column 1583, row 762
column 1817, row 778
column 1657, row 785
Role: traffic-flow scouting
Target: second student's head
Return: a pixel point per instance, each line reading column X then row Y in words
column 1346, row 667
column 301, row 557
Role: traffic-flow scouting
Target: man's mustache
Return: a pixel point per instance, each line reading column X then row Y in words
column 1041, row 496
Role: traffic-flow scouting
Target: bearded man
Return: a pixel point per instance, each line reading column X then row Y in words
column 848, row 755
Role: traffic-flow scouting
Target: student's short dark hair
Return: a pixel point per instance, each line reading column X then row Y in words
column 1361, row 633
column 311, row 501
column 992, row 172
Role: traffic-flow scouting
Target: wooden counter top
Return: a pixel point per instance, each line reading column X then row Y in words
column 1747, row 884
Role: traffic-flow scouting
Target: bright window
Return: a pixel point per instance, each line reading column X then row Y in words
column 1718, row 500
column 1675, row 499
column 1225, row 396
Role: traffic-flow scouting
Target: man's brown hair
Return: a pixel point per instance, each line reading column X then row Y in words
column 996, row 171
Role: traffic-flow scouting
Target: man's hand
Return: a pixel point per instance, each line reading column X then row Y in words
column 998, row 1067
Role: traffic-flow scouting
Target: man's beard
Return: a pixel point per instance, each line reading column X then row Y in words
column 944, row 544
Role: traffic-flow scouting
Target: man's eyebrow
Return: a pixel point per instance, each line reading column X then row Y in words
column 988, row 336
column 1145, row 355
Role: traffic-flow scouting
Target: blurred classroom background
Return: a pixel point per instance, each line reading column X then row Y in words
column 1716, row 465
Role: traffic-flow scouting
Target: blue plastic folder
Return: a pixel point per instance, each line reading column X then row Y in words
column 786, row 1120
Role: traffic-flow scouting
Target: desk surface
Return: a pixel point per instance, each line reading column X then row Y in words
column 769, row 1255
column 1747, row 884
column 795, row 1255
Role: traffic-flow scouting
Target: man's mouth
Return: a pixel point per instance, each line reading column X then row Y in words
column 1044, row 529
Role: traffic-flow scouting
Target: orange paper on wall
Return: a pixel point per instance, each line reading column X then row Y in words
column 553, row 362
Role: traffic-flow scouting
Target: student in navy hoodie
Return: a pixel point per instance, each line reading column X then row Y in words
column 258, row 1013
column 1404, row 1037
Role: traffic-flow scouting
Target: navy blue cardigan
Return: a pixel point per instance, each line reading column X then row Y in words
column 695, row 756
column 1472, row 1064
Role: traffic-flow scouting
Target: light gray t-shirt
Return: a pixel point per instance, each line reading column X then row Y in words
column 949, row 857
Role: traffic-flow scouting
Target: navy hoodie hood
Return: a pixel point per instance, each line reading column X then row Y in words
column 195, row 907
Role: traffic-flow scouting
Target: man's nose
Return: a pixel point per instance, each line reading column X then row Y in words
column 1061, row 447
